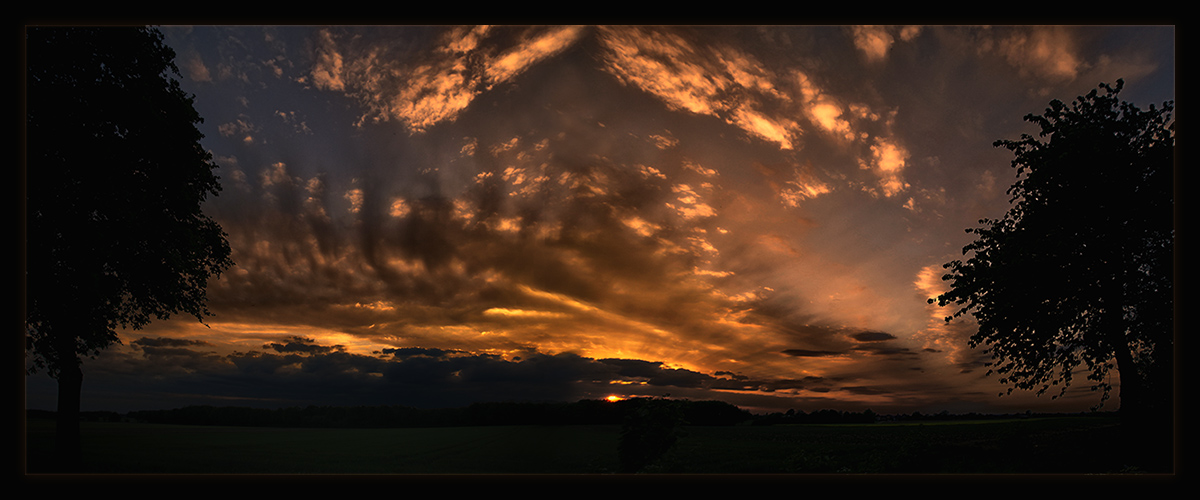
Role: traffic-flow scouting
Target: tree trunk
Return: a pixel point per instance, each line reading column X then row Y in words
column 1132, row 386
column 1116, row 328
column 1146, row 435
column 70, row 385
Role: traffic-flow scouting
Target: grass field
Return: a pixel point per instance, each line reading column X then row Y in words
column 1064, row 445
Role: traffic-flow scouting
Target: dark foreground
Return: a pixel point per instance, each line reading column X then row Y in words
column 1063, row 445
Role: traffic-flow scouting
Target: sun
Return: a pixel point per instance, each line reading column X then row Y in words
column 614, row 398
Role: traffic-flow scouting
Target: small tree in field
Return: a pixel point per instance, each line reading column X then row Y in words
column 1080, row 269
column 115, row 178
column 649, row 430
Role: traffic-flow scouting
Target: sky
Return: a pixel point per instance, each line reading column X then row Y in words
column 431, row 216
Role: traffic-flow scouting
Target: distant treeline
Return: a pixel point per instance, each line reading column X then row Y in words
column 817, row 417
column 868, row 416
column 583, row 412
column 85, row 416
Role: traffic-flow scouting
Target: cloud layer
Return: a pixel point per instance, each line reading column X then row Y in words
column 436, row 215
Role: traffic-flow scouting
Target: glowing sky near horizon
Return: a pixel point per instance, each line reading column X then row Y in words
column 429, row 216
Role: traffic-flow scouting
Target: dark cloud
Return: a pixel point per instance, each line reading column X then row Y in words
column 153, row 352
column 174, row 353
column 979, row 361
column 870, row 391
column 808, row 353
column 810, row 383
column 654, row 373
column 872, row 336
column 160, row 356
column 405, row 352
column 303, row 345
column 888, row 351
column 301, row 371
column 166, row 342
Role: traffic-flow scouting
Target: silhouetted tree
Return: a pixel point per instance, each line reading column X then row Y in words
column 650, row 429
column 115, row 178
column 712, row 413
column 1080, row 269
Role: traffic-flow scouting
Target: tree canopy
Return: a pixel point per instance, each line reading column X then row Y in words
column 115, row 180
column 1079, row 272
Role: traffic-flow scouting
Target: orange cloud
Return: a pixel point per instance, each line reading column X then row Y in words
column 436, row 89
column 803, row 186
column 699, row 80
column 888, row 161
column 196, row 69
column 825, row 111
column 327, row 71
column 1042, row 52
column 874, row 41
column 529, row 52
column 949, row 337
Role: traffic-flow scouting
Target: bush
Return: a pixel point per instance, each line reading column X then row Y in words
column 650, row 428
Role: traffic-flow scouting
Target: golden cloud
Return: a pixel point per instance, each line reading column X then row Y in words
column 327, row 71
column 888, row 161
column 1047, row 53
column 698, row 80
column 438, row 88
column 874, row 41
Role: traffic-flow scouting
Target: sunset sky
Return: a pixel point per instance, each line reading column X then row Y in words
column 432, row 216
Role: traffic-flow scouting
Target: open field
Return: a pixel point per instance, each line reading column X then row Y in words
column 1065, row 445
column 161, row 448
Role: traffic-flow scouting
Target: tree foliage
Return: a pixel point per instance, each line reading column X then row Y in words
column 1079, row 272
column 649, row 430
column 115, row 179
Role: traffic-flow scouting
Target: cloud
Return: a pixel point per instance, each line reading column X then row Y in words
column 949, row 337
column 327, row 70
column 242, row 127
column 302, row 345
column 804, row 186
column 534, row 48
column 873, row 41
column 655, row 209
column 863, row 390
column 572, row 258
column 662, row 65
column 873, row 336
column 438, row 86
column 849, row 125
column 405, row 352
column 688, row 203
column 158, row 357
column 195, row 68
column 300, row 371
column 166, row 342
column 808, row 353
column 824, row 110
column 297, row 124
column 717, row 81
column 888, row 161
column 1045, row 53
column 908, row 33
column 894, row 352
